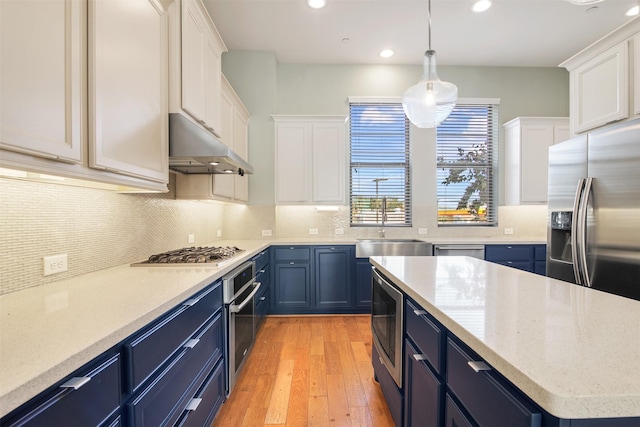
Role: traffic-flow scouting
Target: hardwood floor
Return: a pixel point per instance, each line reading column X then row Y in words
column 308, row 371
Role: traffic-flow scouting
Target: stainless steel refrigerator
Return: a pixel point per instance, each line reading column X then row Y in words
column 593, row 236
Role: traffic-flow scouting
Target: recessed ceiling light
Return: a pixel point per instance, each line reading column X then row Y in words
column 228, row 171
column 583, row 2
column 317, row 4
column 214, row 163
column 387, row 53
column 481, row 5
column 633, row 11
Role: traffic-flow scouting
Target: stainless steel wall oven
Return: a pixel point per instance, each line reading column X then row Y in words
column 386, row 324
column 239, row 288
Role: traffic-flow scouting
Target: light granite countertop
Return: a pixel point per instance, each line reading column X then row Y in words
column 573, row 350
column 49, row 331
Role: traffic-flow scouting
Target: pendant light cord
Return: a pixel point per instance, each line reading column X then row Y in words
column 429, row 24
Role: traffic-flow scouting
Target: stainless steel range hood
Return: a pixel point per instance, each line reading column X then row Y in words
column 193, row 150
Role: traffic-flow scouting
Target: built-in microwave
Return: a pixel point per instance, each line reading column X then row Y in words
column 387, row 306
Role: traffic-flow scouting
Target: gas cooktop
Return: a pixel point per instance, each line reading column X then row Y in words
column 202, row 255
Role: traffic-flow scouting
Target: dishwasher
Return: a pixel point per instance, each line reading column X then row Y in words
column 474, row 251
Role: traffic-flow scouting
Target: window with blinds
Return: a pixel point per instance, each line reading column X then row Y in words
column 467, row 144
column 380, row 167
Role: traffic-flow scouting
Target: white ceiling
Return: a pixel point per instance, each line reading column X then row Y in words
column 511, row 33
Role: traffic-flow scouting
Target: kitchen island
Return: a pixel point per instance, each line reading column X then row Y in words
column 573, row 351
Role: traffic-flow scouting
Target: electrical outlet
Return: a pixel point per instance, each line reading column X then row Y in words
column 339, row 231
column 54, row 264
column 191, row 238
column 422, row 231
column 266, row 233
column 219, row 233
column 508, row 231
column 313, row 231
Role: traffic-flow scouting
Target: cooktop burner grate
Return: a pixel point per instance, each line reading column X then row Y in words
column 193, row 255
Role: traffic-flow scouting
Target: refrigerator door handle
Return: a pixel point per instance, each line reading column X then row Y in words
column 576, row 232
column 582, row 255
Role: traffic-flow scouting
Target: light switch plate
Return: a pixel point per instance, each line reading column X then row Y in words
column 191, row 238
column 508, row 231
column 339, row 231
column 422, row 231
column 266, row 233
column 313, row 231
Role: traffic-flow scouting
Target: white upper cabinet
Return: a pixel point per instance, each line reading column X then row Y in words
column 196, row 64
column 310, row 159
column 527, row 142
column 128, row 88
column 84, row 91
column 635, row 72
column 602, row 78
column 234, row 134
column 41, row 78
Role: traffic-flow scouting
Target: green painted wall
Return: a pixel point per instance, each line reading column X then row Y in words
column 267, row 87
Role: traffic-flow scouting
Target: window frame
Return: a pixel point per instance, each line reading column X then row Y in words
column 492, row 135
column 406, row 193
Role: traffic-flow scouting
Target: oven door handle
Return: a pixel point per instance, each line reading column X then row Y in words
column 237, row 308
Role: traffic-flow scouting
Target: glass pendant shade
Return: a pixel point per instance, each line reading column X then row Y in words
column 431, row 100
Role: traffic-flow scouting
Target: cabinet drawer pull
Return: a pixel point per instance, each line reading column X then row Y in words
column 263, row 298
column 478, row 366
column 76, row 382
column 262, row 271
column 291, row 263
column 191, row 343
column 191, row 302
column 419, row 357
column 193, row 404
column 292, row 248
column 419, row 312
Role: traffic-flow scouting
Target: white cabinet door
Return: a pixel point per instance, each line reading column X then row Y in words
column 41, row 79
column 292, row 163
column 194, row 41
column 527, row 142
column 310, row 165
column 224, row 185
column 600, row 90
column 241, row 147
column 128, row 88
column 328, row 162
column 201, row 59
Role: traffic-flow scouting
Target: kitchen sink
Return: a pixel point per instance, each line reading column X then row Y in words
column 392, row 247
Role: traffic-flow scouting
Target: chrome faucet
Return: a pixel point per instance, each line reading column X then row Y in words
column 384, row 217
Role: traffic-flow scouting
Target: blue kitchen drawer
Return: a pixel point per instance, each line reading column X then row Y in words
column 211, row 395
column 261, row 259
column 91, row 404
column 264, row 276
column 292, row 253
column 508, row 252
column 486, row 396
column 167, row 396
column 520, row 265
column 426, row 334
column 148, row 351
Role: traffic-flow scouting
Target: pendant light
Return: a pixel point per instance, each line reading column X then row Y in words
column 431, row 100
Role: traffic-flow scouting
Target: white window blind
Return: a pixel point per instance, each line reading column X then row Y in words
column 380, row 166
column 466, row 179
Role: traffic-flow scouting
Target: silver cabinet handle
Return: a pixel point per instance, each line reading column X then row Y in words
column 191, row 302
column 263, row 298
column 419, row 312
column 419, row 357
column 76, row 382
column 478, row 366
column 291, row 263
column 191, row 343
column 262, row 271
column 193, row 404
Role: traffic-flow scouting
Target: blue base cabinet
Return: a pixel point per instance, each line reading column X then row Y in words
column 318, row 279
column 171, row 372
column 363, row 284
column 531, row 258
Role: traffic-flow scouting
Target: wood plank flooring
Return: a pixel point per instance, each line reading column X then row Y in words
column 308, row 371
